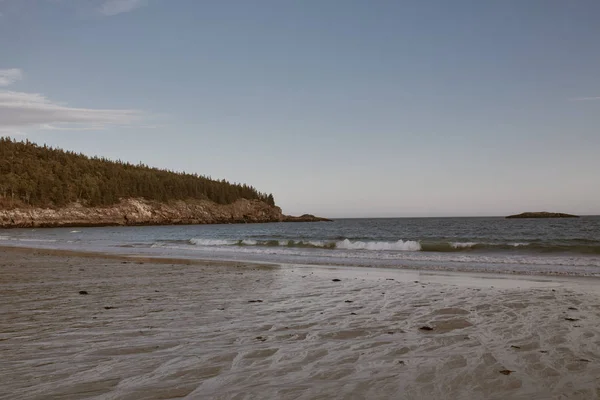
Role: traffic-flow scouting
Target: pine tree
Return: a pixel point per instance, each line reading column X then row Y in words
column 42, row 176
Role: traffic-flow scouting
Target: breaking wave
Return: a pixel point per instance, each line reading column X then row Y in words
column 382, row 246
column 212, row 242
column 404, row 245
column 461, row 245
column 317, row 244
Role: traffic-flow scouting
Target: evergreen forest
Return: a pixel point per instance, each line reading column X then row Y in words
column 42, row 176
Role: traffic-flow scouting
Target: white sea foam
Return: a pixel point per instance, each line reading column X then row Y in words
column 518, row 244
column 462, row 245
column 400, row 245
column 345, row 244
column 75, row 232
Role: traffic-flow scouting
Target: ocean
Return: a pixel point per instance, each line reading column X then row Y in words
column 495, row 244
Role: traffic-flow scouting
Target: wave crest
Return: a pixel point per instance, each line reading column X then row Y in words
column 212, row 242
column 345, row 244
column 462, row 245
column 400, row 245
column 403, row 245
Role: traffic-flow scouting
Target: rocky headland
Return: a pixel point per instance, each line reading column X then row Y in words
column 136, row 212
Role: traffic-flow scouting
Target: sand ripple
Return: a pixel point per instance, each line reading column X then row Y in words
column 190, row 331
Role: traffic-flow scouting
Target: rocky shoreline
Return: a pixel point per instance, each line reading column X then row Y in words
column 139, row 212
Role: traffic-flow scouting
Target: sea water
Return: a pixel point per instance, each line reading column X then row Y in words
column 557, row 246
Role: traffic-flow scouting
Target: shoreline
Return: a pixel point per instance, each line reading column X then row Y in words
column 52, row 225
column 143, row 212
column 38, row 251
column 431, row 269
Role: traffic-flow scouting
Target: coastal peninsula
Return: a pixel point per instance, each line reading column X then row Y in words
column 45, row 187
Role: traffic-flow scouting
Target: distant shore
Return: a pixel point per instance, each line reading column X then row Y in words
column 542, row 214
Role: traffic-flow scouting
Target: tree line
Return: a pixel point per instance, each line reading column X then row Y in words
column 42, row 176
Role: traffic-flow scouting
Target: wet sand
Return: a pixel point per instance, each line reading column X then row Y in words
column 166, row 329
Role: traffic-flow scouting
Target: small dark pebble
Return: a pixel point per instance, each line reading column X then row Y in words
column 123, row 262
column 83, row 292
column 304, row 276
column 416, row 281
column 426, row 328
column 336, row 280
column 543, row 351
column 352, row 313
column 94, row 317
column 221, row 309
column 255, row 301
column 571, row 319
column 108, row 308
column 390, row 333
column 553, row 290
column 348, row 301
column 401, row 362
column 262, row 339
column 506, row 372
column 389, row 279
column 572, row 308
column 515, row 347
column 157, row 291
column 584, row 360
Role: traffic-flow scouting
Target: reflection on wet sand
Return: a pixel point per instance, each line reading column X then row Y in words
column 149, row 330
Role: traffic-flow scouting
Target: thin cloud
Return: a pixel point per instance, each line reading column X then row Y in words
column 584, row 98
column 82, row 8
column 114, row 7
column 10, row 76
column 21, row 111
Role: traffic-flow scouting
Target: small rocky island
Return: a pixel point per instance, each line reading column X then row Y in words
column 542, row 214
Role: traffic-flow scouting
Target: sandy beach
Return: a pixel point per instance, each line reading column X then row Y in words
column 92, row 327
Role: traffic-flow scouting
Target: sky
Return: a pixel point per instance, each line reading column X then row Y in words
column 341, row 108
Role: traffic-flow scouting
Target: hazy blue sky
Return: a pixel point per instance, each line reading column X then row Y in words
column 340, row 108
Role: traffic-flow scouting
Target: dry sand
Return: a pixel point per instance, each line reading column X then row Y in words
column 162, row 330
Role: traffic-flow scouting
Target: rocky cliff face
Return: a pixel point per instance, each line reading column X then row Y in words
column 131, row 212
